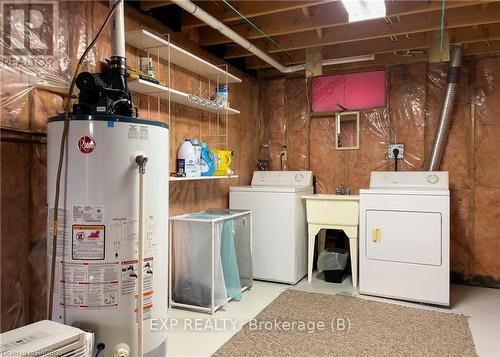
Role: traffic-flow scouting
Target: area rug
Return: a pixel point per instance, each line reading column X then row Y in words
column 309, row 324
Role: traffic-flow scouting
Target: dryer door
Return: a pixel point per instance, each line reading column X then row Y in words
column 404, row 236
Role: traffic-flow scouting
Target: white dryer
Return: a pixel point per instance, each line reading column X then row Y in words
column 404, row 242
column 279, row 227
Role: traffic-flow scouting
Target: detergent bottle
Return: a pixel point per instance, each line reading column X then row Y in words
column 186, row 159
column 197, row 152
column 224, row 158
column 207, row 163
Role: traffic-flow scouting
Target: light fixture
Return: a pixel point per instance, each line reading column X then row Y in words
column 359, row 10
column 351, row 59
column 332, row 61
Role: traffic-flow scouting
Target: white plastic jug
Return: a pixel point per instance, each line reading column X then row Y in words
column 187, row 159
column 197, row 150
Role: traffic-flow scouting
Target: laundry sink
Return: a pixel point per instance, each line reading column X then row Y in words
column 332, row 209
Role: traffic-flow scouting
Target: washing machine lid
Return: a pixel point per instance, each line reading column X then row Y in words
column 271, row 188
column 278, row 181
column 409, row 180
column 406, row 192
column 282, row 178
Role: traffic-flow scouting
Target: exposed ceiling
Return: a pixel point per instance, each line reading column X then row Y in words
column 403, row 36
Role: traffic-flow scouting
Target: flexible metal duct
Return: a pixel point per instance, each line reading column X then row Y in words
column 446, row 111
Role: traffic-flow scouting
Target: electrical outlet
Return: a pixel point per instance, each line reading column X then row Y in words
column 400, row 147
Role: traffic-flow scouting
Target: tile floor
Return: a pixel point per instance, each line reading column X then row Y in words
column 480, row 304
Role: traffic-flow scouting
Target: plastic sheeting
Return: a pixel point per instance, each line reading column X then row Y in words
column 38, row 53
column 278, row 110
column 31, row 90
column 415, row 95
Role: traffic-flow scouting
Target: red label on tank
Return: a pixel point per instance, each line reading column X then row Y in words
column 86, row 144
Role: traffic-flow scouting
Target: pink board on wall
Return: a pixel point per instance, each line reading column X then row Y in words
column 352, row 91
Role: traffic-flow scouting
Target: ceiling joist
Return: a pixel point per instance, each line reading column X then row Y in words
column 321, row 16
column 153, row 4
column 372, row 29
column 388, row 59
column 465, row 35
column 251, row 9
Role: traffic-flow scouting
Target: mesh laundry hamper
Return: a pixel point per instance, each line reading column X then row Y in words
column 210, row 258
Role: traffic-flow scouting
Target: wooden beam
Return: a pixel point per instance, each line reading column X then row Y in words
column 475, row 49
column 372, row 29
column 462, row 35
column 439, row 47
column 314, row 58
column 306, row 12
column 153, row 4
column 384, row 60
column 321, row 16
column 248, row 8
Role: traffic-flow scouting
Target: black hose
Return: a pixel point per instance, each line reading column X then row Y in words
column 396, row 155
column 100, row 347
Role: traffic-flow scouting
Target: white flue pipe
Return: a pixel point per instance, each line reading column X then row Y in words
column 243, row 42
column 118, row 31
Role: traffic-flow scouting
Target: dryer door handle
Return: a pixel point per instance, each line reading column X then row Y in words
column 376, row 235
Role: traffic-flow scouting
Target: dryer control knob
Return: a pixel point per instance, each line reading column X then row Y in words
column 433, row 179
column 299, row 177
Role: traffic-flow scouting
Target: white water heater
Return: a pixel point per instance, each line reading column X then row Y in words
column 97, row 270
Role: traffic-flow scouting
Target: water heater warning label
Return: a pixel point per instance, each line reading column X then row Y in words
column 133, row 132
column 88, row 214
column 89, row 285
column 129, row 278
column 88, row 242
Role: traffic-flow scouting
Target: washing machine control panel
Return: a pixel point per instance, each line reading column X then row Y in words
column 282, row 178
column 416, row 180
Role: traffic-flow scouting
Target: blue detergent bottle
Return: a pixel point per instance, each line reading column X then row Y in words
column 207, row 161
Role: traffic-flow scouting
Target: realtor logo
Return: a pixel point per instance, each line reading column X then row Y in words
column 28, row 28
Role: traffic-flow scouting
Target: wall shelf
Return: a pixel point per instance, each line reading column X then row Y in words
column 202, row 178
column 147, row 41
column 176, row 96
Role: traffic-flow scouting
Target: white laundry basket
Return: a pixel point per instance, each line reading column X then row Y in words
column 210, row 257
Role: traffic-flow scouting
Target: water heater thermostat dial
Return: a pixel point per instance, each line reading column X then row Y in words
column 433, row 179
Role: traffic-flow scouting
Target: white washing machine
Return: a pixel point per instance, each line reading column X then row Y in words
column 279, row 226
column 404, row 241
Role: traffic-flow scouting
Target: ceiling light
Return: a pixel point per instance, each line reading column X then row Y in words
column 360, row 10
column 332, row 61
column 351, row 59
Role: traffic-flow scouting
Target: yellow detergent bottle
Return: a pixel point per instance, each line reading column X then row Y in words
column 224, row 158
